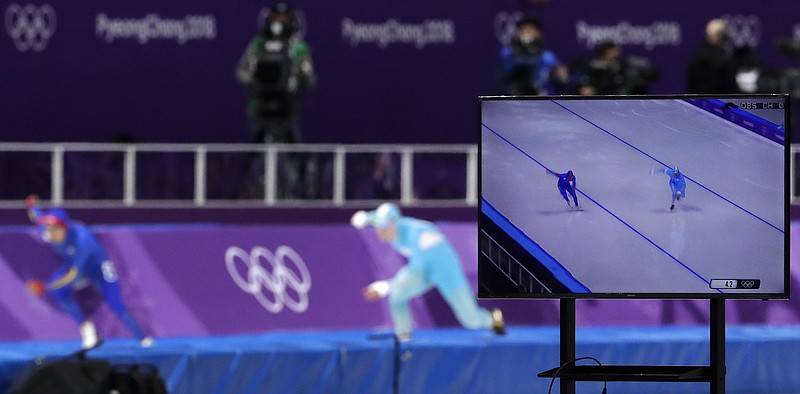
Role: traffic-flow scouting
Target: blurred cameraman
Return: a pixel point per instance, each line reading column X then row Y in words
column 610, row 72
column 711, row 68
column 527, row 67
column 276, row 68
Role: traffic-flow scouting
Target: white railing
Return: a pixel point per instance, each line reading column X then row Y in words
column 329, row 169
column 55, row 181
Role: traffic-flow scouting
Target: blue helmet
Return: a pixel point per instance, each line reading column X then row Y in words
column 385, row 215
column 54, row 216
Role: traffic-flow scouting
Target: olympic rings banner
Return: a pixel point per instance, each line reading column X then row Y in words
column 198, row 280
column 388, row 71
column 216, row 280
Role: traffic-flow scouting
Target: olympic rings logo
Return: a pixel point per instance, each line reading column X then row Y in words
column 744, row 30
column 505, row 25
column 30, row 26
column 747, row 284
column 285, row 277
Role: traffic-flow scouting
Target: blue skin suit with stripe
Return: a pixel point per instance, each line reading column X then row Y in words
column 432, row 262
column 677, row 183
column 85, row 262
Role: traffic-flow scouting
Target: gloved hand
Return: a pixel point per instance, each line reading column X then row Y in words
column 35, row 287
column 376, row 290
column 31, row 200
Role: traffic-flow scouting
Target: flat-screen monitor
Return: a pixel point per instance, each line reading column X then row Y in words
column 682, row 196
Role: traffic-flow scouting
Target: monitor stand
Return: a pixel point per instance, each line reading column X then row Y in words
column 569, row 373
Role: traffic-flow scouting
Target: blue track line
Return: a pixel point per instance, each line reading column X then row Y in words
column 605, row 209
column 665, row 165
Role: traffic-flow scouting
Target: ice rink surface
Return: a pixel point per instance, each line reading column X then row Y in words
column 730, row 225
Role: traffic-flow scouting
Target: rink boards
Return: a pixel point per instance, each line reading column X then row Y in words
column 434, row 361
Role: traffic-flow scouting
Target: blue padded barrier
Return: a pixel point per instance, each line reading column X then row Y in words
column 759, row 360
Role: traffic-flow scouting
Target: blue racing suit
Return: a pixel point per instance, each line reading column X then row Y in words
column 432, row 262
column 676, row 184
column 85, row 262
column 565, row 185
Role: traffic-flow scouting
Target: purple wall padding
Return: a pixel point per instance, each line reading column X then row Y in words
column 178, row 281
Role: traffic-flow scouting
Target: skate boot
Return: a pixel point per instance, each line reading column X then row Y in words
column 146, row 342
column 498, row 324
column 403, row 337
column 89, row 338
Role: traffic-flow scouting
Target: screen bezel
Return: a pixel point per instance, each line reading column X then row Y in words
column 482, row 294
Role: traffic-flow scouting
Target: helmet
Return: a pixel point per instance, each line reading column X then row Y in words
column 384, row 216
column 54, row 216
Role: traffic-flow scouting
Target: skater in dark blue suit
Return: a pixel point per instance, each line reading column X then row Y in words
column 85, row 263
column 566, row 184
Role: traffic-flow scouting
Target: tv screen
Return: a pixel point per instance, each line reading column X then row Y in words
column 636, row 196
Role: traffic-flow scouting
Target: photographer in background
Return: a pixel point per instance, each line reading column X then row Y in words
column 527, row 67
column 276, row 68
column 711, row 69
column 610, row 72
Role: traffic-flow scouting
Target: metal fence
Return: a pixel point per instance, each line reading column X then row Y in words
column 515, row 271
column 221, row 175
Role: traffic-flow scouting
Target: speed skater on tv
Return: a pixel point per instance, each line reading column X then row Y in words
column 677, row 184
column 566, row 184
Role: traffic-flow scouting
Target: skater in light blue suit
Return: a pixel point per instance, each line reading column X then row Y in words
column 432, row 262
column 677, row 184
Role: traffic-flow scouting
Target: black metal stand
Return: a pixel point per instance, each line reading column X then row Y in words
column 714, row 373
column 396, row 358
